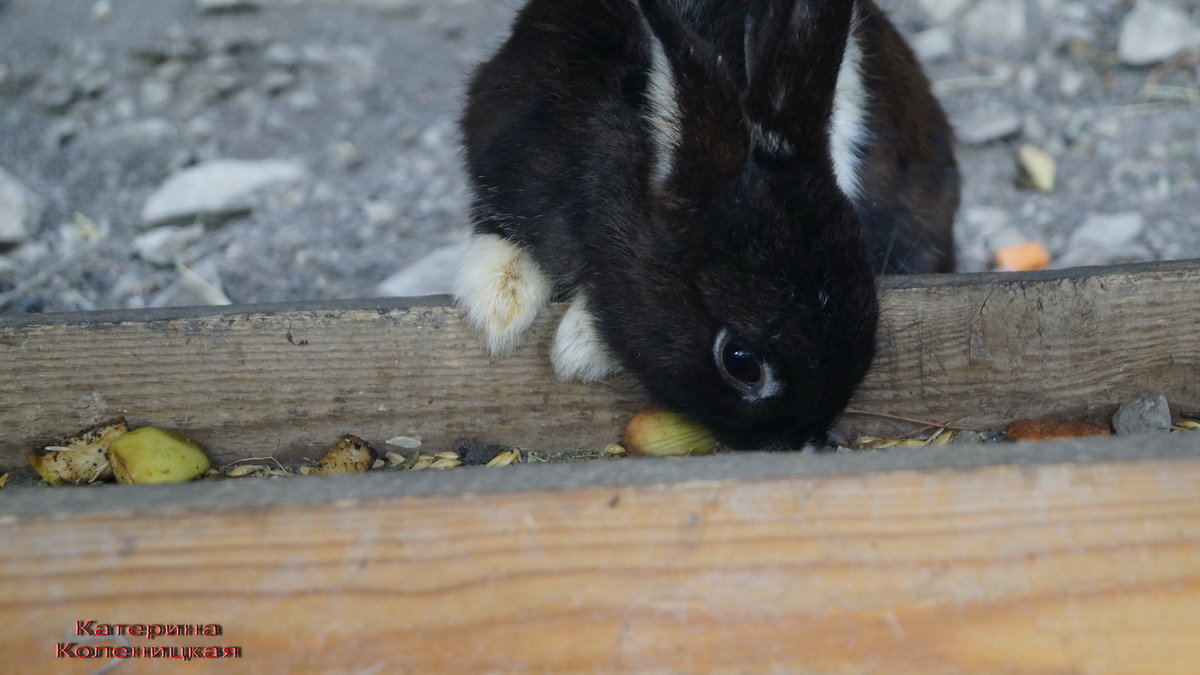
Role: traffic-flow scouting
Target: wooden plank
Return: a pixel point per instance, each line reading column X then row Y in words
column 288, row 380
column 1067, row 567
column 1071, row 343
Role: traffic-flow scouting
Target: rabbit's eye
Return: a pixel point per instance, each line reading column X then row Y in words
column 742, row 368
column 740, row 363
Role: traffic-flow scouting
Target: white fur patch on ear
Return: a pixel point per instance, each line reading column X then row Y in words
column 848, row 126
column 578, row 352
column 664, row 109
column 502, row 289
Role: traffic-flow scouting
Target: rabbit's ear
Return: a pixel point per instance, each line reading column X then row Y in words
column 794, row 53
column 698, row 121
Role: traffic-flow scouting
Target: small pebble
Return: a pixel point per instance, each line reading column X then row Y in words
column 1146, row 415
column 218, row 6
column 281, row 55
column 942, row 10
column 967, row 438
column 8, row 270
column 164, row 246
column 934, row 44
column 102, row 11
column 216, row 189
column 431, row 275
column 277, row 81
column 993, row 436
column 198, row 285
column 1153, row 32
column 1102, row 238
column 992, row 25
column 20, row 210
column 994, row 122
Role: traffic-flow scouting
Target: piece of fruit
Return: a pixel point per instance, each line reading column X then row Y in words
column 1023, row 257
column 153, row 455
column 1038, row 168
column 665, row 434
column 350, row 454
column 82, row 458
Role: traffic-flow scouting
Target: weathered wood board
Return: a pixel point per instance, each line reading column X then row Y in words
column 286, row 381
column 1084, row 560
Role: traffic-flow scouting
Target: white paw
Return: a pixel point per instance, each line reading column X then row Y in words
column 578, row 352
column 502, row 289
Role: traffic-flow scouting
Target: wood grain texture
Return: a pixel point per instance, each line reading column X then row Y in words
column 288, row 381
column 1038, row 569
column 1072, row 344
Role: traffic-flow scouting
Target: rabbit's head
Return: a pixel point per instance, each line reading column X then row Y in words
column 742, row 293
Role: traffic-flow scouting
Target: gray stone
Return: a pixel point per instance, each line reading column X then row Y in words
column 172, row 70
column 1154, row 32
column 164, row 246
column 1071, row 82
column 20, row 210
column 967, row 438
column 143, row 132
column 1102, row 239
column 56, row 97
column 102, row 11
column 942, row 10
column 277, row 81
column 217, row 189
column 994, row 25
column 934, row 44
column 993, row 436
column 281, row 55
column 8, row 270
column 431, row 275
column 93, row 83
column 1117, row 229
column 156, row 94
column 989, row 123
column 198, row 285
column 993, row 226
column 304, row 101
column 1147, row 415
column 217, row 6
column 380, row 213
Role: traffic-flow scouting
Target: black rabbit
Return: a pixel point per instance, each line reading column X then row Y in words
column 714, row 186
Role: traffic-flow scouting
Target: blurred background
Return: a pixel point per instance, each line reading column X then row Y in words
column 183, row 152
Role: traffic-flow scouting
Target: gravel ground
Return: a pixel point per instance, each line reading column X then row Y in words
column 332, row 125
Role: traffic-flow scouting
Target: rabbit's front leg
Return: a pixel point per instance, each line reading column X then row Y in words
column 502, row 289
column 578, row 352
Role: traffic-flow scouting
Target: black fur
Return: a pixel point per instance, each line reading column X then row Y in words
column 752, row 236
